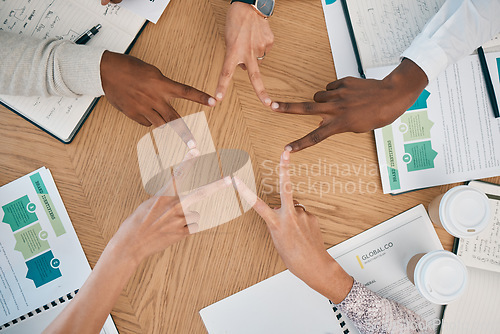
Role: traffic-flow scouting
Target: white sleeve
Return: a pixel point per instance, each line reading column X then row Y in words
column 34, row 67
column 458, row 28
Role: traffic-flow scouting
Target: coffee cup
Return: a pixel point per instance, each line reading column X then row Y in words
column 462, row 211
column 440, row 276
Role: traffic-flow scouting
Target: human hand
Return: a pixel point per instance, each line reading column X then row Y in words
column 358, row 105
column 248, row 37
column 297, row 238
column 141, row 92
column 164, row 219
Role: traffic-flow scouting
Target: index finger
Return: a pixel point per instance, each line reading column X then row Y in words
column 251, row 198
column 203, row 192
column 301, row 108
column 192, row 94
column 256, row 80
column 179, row 173
column 230, row 63
column 181, row 128
column 286, row 191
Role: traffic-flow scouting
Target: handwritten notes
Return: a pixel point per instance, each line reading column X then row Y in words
column 384, row 29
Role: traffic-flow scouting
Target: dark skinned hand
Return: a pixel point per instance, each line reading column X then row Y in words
column 142, row 92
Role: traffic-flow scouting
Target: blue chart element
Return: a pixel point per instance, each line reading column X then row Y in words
column 329, row 2
column 421, row 102
column 43, row 269
column 498, row 66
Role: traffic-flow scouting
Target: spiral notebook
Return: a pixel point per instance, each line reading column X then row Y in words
column 376, row 258
column 42, row 264
column 62, row 117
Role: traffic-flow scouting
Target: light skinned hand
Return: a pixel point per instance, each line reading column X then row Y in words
column 358, row 105
column 142, row 92
column 297, row 238
column 163, row 219
column 105, row 2
column 248, row 36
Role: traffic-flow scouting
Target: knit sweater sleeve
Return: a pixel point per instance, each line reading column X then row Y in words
column 376, row 315
column 35, row 67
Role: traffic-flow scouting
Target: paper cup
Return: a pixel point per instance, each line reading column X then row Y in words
column 440, row 276
column 462, row 211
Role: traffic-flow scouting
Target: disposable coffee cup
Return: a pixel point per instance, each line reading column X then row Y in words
column 440, row 276
column 462, row 211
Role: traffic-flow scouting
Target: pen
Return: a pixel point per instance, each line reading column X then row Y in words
column 353, row 39
column 87, row 35
column 488, row 82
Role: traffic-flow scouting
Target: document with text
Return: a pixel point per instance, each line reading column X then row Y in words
column 449, row 135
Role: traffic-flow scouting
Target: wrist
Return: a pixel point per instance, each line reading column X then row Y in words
column 123, row 252
column 263, row 8
column 333, row 281
column 408, row 79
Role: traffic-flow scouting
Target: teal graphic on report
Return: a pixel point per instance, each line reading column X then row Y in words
column 419, row 156
column 32, row 241
column 421, row 102
column 43, row 269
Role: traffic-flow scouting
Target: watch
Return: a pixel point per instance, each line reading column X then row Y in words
column 263, row 7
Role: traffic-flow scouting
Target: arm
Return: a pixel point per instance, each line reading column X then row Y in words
column 34, row 67
column 456, row 30
column 297, row 238
column 357, row 105
column 155, row 225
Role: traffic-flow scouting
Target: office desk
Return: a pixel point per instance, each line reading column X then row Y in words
column 99, row 180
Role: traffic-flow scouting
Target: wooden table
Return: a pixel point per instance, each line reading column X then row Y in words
column 99, row 180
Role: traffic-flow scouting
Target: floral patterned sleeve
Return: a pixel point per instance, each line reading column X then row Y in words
column 374, row 314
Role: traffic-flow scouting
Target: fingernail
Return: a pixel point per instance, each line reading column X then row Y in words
column 288, row 148
column 227, row 180
column 194, row 153
column 219, row 96
column 286, row 155
column 191, row 144
column 275, row 105
column 267, row 101
column 211, row 102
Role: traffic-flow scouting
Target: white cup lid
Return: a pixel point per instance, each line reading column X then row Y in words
column 440, row 276
column 464, row 211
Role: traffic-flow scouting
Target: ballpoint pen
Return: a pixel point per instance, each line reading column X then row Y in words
column 488, row 82
column 87, row 35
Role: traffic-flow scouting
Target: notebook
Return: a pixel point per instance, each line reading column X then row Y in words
column 377, row 258
column 448, row 135
column 65, row 19
column 476, row 311
column 42, row 264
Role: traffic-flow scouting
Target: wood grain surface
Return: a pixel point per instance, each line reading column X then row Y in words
column 99, row 179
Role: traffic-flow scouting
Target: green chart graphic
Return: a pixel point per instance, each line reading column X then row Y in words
column 419, row 156
column 19, row 213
